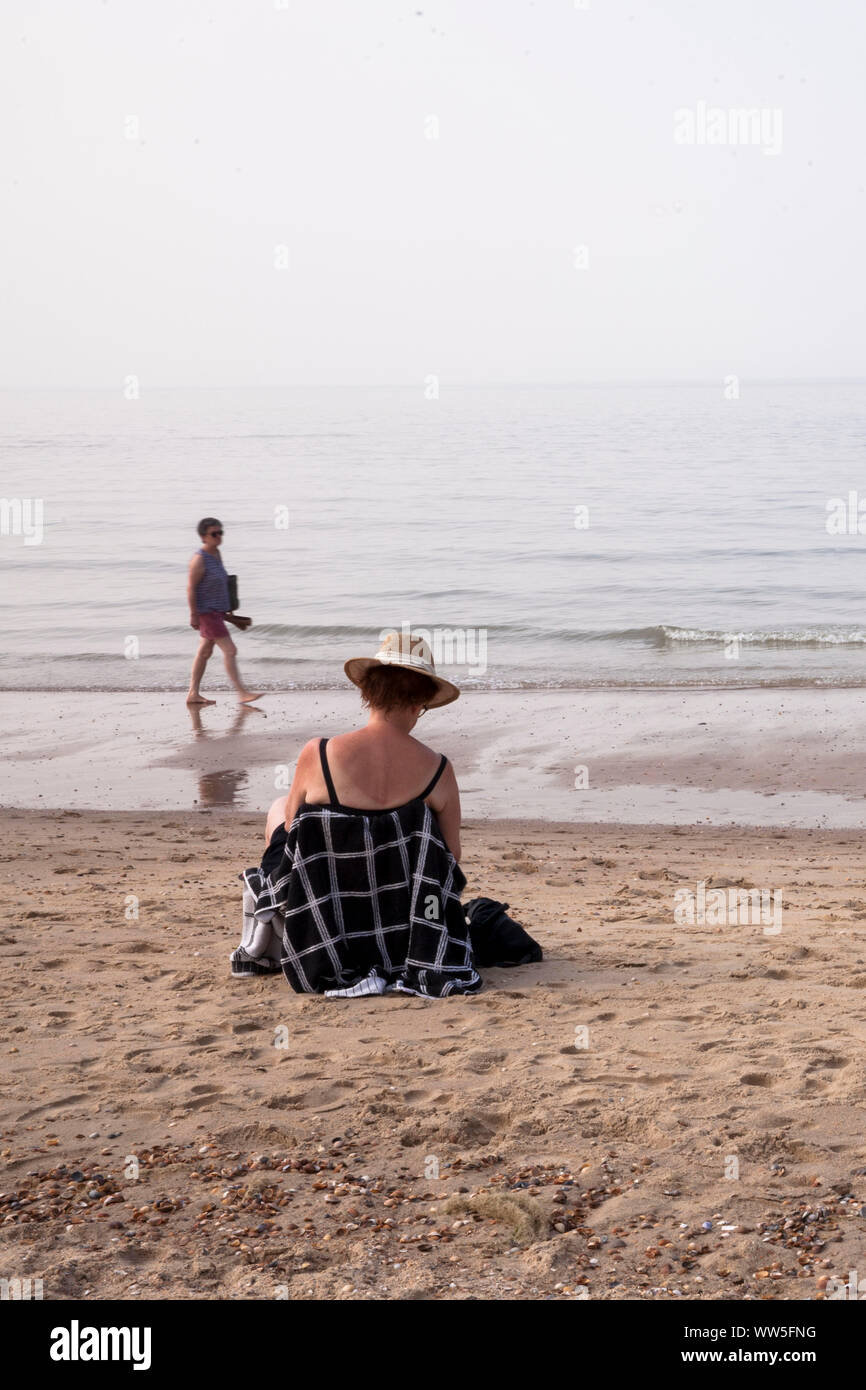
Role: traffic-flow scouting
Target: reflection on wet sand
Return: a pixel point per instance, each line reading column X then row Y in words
column 221, row 786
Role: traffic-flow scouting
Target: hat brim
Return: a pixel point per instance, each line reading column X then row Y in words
column 446, row 693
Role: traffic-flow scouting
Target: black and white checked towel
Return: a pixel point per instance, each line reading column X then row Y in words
column 367, row 902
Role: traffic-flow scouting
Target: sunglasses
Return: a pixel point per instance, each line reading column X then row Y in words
column 215, row 533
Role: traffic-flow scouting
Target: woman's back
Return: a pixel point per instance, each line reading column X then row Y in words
column 374, row 768
column 369, row 896
column 362, row 866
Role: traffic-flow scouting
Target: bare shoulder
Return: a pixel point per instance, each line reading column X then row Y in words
column 445, row 796
column 307, row 765
column 448, row 777
column 196, row 561
column 309, row 753
column 425, row 748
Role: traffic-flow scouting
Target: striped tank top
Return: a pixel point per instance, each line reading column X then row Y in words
column 212, row 591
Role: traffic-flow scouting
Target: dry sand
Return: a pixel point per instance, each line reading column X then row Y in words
column 310, row 1170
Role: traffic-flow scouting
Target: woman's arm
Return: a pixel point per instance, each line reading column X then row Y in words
column 196, row 574
column 307, row 759
column 445, row 801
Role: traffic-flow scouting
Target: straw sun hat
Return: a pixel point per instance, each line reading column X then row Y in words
column 413, row 653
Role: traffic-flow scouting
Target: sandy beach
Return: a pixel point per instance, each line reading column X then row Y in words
column 658, row 1110
column 359, row 358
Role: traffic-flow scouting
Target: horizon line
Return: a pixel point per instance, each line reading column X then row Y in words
column 454, row 382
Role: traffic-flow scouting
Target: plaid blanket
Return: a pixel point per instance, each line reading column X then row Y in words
column 367, row 902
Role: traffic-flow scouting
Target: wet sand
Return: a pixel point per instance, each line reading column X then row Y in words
column 673, row 757
column 701, row 1139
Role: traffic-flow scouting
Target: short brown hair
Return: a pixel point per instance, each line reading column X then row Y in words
column 394, row 687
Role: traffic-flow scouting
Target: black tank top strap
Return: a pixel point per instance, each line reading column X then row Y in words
column 326, row 772
column 434, row 779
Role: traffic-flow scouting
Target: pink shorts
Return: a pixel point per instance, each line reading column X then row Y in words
column 212, row 626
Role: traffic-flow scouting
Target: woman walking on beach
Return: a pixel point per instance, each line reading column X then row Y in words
column 359, row 888
column 208, row 597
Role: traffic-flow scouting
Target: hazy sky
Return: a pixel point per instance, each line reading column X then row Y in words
column 157, row 154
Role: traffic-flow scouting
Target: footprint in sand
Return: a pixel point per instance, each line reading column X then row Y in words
column 50, row 1105
column 203, row 1095
column 286, row 1102
column 538, row 1058
column 484, row 1061
column 833, row 1062
column 812, row 1085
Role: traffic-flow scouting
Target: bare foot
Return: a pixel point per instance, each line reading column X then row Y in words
column 247, row 699
column 199, row 700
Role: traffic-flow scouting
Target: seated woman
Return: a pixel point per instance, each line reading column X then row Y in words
column 359, row 888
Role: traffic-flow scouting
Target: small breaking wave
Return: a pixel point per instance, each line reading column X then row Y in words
column 784, row 637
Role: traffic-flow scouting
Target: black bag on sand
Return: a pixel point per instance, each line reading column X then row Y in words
column 496, row 938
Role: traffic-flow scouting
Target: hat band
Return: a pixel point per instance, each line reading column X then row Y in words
column 388, row 658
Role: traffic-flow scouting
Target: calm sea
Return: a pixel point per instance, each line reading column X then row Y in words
column 543, row 535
